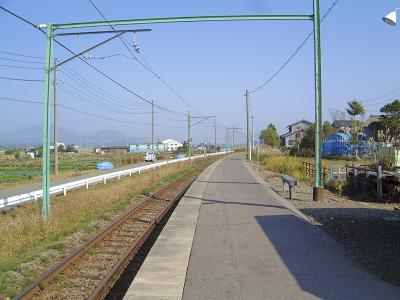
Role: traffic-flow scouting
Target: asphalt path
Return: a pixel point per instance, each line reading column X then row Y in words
column 250, row 243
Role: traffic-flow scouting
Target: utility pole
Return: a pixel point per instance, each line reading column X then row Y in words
column 248, row 145
column 152, row 126
column 55, row 110
column 189, row 138
column 252, row 133
column 226, row 140
column 215, row 135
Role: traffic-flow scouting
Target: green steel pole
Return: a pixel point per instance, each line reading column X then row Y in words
column 46, row 207
column 189, row 138
column 318, row 184
column 184, row 19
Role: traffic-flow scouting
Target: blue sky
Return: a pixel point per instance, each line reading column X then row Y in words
column 209, row 64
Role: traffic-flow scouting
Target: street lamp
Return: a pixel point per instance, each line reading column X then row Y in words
column 391, row 18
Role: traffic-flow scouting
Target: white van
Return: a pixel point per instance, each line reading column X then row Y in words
column 150, row 156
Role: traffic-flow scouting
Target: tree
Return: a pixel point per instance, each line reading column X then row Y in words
column 356, row 108
column 270, row 136
column 391, row 119
column 327, row 129
column 308, row 141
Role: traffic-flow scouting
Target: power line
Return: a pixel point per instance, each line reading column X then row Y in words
column 21, row 61
column 20, row 67
column 147, row 67
column 20, row 55
column 97, row 104
column 97, row 89
column 97, row 95
column 21, row 79
column 84, row 112
column 296, row 51
column 90, row 65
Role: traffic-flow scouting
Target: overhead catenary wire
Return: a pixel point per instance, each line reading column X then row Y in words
column 292, row 56
column 90, row 65
column 147, row 67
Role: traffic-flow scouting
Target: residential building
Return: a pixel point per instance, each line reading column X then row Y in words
column 171, row 145
column 114, row 149
column 296, row 133
column 344, row 125
column 373, row 128
column 142, row 148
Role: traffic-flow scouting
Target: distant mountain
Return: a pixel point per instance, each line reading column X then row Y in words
column 32, row 136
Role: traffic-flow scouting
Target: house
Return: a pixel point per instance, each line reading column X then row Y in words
column 171, row 145
column 338, row 125
column 296, row 133
column 142, row 148
column 373, row 128
column 114, row 149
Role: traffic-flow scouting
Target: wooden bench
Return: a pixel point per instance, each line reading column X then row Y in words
column 291, row 182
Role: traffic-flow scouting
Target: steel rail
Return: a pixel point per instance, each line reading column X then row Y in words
column 108, row 280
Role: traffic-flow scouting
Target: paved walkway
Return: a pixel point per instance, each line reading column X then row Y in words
column 249, row 243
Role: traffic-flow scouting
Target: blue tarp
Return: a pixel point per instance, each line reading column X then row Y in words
column 180, row 156
column 105, row 166
column 340, row 144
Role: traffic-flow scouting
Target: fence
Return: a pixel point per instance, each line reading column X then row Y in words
column 309, row 168
column 63, row 188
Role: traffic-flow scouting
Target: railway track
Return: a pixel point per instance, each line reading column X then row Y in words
column 91, row 270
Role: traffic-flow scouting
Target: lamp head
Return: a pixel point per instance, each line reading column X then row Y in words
column 391, row 18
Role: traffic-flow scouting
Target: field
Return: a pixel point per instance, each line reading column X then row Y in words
column 279, row 162
column 14, row 172
column 28, row 246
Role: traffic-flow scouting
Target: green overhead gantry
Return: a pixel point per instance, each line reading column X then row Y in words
column 51, row 32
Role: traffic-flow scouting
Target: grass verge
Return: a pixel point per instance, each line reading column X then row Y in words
column 28, row 246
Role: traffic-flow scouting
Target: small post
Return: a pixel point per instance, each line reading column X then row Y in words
column 65, row 191
column 87, row 184
column 366, row 180
column 331, row 172
column 379, row 183
column 355, row 181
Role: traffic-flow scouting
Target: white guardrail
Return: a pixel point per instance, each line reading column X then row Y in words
column 63, row 188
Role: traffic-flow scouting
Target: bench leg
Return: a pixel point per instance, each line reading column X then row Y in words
column 290, row 192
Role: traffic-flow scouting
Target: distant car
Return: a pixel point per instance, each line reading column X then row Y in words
column 150, row 156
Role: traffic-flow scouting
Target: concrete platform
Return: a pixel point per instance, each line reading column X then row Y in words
column 163, row 273
column 248, row 243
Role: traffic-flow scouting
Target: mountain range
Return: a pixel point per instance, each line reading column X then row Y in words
column 32, row 137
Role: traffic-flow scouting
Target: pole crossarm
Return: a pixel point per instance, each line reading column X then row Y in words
column 101, row 32
column 90, row 48
column 185, row 20
column 205, row 118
